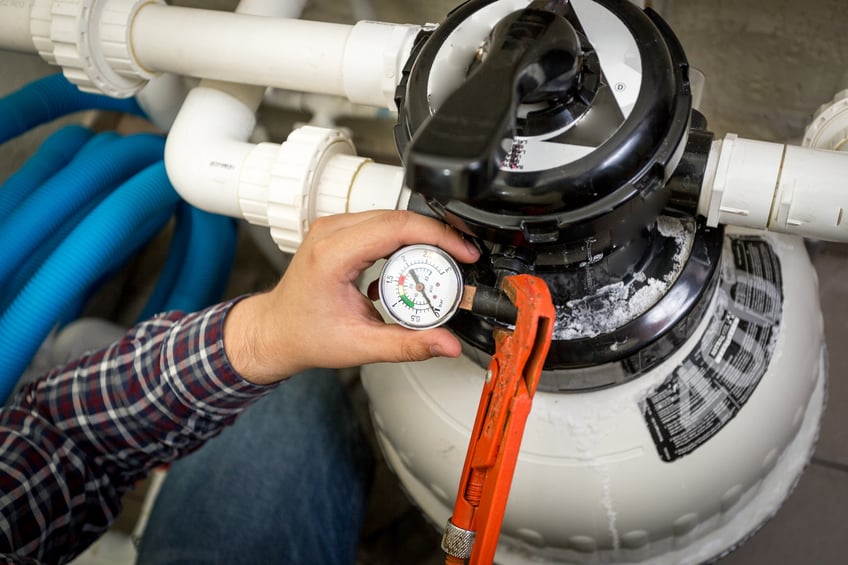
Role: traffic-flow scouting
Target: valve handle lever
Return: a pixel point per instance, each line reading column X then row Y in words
column 511, row 381
column 458, row 150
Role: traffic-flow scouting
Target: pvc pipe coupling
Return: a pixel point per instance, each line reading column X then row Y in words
column 776, row 187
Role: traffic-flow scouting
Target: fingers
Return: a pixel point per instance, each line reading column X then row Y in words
column 398, row 344
column 338, row 222
column 377, row 234
column 407, row 228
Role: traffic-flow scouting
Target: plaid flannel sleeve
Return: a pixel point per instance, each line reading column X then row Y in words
column 74, row 441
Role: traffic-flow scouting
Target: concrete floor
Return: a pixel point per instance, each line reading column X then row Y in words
column 769, row 64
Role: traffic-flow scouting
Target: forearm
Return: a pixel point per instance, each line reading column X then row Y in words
column 78, row 438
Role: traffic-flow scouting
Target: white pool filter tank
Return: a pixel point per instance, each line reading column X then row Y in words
column 682, row 395
column 679, row 465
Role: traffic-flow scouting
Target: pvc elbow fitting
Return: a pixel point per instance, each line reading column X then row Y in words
column 283, row 187
column 204, row 156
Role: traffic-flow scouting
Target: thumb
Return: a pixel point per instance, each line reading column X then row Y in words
column 400, row 344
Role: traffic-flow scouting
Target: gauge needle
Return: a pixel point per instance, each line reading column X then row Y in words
column 420, row 288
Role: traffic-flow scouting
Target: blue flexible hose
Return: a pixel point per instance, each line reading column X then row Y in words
column 208, row 262
column 91, row 174
column 56, row 152
column 49, row 98
column 197, row 268
column 143, row 235
column 18, row 279
column 173, row 263
column 75, row 265
column 26, row 268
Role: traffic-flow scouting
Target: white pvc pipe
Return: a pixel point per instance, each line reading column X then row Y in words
column 812, row 196
column 360, row 62
column 377, row 187
column 15, row 33
column 261, row 45
column 324, row 110
column 275, row 8
column 161, row 99
column 776, row 187
column 207, row 144
column 241, row 48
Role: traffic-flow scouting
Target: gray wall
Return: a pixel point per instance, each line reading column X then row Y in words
column 769, row 63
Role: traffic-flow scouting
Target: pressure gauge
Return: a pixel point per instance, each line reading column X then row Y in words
column 420, row 286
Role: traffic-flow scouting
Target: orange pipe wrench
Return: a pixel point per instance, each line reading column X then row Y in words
column 511, row 381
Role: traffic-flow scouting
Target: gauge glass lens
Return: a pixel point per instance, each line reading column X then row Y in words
column 420, row 286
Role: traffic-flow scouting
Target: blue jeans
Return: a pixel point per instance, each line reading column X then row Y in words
column 286, row 484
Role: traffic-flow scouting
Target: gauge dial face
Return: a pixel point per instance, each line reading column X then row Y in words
column 420, row 287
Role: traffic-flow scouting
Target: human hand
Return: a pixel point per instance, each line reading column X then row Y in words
column 316, row 315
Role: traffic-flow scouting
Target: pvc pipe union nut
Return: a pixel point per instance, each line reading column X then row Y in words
column 829, row 126
column 288, row 187
column 90, row 40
